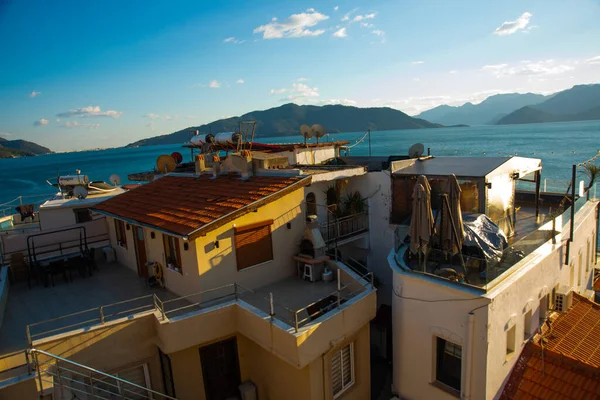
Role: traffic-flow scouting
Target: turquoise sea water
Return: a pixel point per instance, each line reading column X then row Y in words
column 559, row 145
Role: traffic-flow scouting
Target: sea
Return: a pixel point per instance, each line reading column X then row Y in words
column 559, row 145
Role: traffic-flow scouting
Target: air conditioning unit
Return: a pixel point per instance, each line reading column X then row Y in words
column 563, row 299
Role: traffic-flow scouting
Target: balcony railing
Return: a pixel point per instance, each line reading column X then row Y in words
column 345, row 227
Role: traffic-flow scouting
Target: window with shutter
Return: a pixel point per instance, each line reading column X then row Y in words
column 120, row 233
column 342, row 369
column 172, row 253
column 253, row 244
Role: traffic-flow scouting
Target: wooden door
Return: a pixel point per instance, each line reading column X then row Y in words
column 221, row 370
column 140, row 249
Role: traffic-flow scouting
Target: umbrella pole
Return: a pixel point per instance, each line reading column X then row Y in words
column 462, row 261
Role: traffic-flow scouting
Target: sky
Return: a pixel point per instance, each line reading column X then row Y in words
column 80, row 75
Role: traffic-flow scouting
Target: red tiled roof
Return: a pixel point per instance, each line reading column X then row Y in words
column 183, row 205
column 550, row 377
column 570, row 365
column 576, row 333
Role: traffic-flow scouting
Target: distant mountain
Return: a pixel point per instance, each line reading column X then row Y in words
column 580, row 103
column 285, row 120
column 488, row 111
column 20, row 148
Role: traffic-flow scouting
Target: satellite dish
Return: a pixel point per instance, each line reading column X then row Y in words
column 177, row 157
column 306, row 131
column 416, row 150
column 165, row 164
column 319, row 130
column 80, row 192
column 115, row 179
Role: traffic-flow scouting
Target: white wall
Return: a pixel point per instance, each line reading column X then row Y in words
column 425, row 307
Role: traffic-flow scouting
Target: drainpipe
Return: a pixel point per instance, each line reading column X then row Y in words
column 469, row 361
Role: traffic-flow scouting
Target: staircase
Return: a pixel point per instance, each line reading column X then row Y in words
column 60, row 378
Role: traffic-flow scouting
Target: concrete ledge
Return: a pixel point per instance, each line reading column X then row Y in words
column 3, row 292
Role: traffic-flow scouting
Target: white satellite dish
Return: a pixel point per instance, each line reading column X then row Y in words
column 416, row 150
column 80, row 192
column 306, row 131
column 319, row 130
column 115, row 179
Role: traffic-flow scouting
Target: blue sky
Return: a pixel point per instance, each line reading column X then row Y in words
column 76, row 75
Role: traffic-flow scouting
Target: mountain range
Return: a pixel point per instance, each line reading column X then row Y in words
column 285, row 120
column 20, row 148
column 580, row 103
column 488, row 112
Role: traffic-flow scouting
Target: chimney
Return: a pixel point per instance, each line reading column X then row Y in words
column 216, row 169
column 242, row 162
column 313, row 235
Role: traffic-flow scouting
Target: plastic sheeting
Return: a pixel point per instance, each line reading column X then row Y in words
column 481, row 233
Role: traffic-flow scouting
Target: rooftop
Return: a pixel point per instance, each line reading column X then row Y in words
column 185, row 205
column 477, row 167
column 568, row 364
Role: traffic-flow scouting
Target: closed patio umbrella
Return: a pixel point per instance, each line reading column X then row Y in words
column 452, row 230
column 421, row 222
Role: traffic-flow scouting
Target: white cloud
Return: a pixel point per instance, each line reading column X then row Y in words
column 378, row 32
column 336, row 8
column 359, row 18
column 240, row 81
column 151, row 126
column 233, row 40
column 417, row 62
column 90, row 111
column 76, row 124
column 366, row 25
column 344, row 102
column 41, row 122
column 296, row 25
column 298, row 93
column 453, row 72
column 301, row 79
column 214, row 84
column 416, row 79
column 510, row 27
column 340, row 33
column 5, row 134
column 529, row 68
column 34, row 94
column 192, row 117
column 152, row 116
column 347, row 16
column 594, row 60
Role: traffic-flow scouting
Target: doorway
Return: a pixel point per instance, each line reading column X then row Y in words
column 221, row 370
column 140, row 250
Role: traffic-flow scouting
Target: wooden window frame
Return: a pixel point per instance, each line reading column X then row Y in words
column 440, row 361
column 170, row 245
column 345, row 385
column 241, row 262
column 120, row 233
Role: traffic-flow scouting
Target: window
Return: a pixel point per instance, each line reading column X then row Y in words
column 82, row 215
column 448, row 364
column 579, row 268
column 167, row 373
column 311, row 204
column 572, row 276
column 172, row 253
column 342, row 369
column 527, row 325
column 511, row 341
column 544, row 307
column 120, row 233
column 253, row 244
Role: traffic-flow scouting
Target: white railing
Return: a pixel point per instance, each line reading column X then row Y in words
column 345, row 227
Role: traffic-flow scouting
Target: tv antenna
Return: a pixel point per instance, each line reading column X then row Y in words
column 115, row 179
column 416, row 150
column 80, row 192
column 165, row 164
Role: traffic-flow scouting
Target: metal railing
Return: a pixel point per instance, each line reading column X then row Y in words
column 345, row 227
column 70, row 378
column 323, row 305
column 126, row 308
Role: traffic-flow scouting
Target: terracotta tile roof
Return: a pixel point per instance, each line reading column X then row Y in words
column 576, row 333
column 570, row 365
column 552, row 377
column 183, row 205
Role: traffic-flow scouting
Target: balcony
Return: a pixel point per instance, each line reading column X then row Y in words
column 345, row 228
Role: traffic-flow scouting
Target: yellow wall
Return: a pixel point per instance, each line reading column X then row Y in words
column 218, row 266
column 23, row 390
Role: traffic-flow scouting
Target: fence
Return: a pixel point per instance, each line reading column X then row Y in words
column 345, row 227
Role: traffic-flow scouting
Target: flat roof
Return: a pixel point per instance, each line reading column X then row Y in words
column 477, row 167
column 188, row 206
